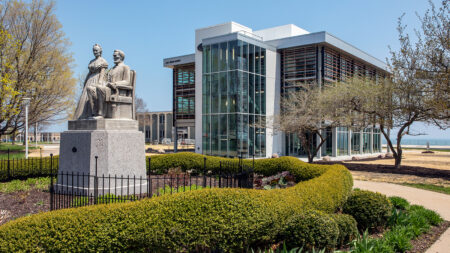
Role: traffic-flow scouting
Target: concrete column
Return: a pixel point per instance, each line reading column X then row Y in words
column 157, row 127
column 189, row 132
column 334, row 143
column 361, row 142
column 371, row 140
column 166, row 132
column 349, row 141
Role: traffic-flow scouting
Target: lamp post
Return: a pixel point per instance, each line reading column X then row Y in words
column 26, row 102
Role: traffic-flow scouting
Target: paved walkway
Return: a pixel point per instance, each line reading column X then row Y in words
column 438, row 202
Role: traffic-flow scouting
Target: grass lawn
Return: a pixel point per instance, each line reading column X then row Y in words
column 40, row 183
column 430, row 187
column 16, row 151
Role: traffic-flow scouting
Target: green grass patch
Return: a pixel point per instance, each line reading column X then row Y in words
column 40, row 183
column 430, row 187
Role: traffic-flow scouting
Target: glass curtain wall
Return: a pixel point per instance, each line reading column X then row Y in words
column 376, row 140
column 356, row 141
column 233, row 99
column 342, row 141
column 366, row 140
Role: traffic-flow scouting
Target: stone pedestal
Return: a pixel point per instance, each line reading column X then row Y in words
column 120, row 149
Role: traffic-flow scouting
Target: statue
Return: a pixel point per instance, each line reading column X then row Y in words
column 114, row 98
column 97, row 69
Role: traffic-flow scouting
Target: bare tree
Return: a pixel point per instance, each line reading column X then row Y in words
column 41, row 65
column 418, row 90
column 307, row 115
column 141, row 106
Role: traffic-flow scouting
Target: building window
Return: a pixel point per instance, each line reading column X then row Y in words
column 342, row 141
column 356, row 141
column 233, row 99
column 366, row 140
column 376, row 140
column 298, row 65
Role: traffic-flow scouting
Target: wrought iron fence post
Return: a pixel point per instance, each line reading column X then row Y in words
column 9, row 167
column 220, row 173
column 149, row 166
column 95, row 182
column 51, row 183
column 204, row 172
column 253, row 160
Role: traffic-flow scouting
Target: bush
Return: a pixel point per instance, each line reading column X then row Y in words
column 311, row 229
column 371, row 210
column 27, row 168
column 430, row 216
column 227, row 219
column 399, row 203
column 348, row 229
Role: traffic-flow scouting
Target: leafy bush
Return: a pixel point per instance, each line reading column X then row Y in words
column 26, row 168
column 371, row 210
column 348, row 229
column 310, row 229
column 227, row 219
column 267, row 167
column 432, row 217
column 399, row 203
column 406, row 223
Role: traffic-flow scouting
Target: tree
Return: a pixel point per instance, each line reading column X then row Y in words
column 418, row 89
column 307, row 115
column 141, row 106
column 40, row 67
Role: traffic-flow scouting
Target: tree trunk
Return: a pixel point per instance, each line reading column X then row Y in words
column 398, row 158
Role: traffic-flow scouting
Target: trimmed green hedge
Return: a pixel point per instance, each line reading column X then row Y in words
column 228, row 219
column 371, row 210
column 267, row 167
column 26, row 168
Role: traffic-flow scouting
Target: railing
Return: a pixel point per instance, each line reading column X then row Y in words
column 20, row 168
column 77, row 189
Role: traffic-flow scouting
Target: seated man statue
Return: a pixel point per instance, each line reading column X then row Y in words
column 118, row 78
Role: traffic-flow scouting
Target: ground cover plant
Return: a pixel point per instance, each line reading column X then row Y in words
column 41, row 183
column 405, row 223
column 227, row 219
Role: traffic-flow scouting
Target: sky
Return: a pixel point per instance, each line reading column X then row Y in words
column 149, row 31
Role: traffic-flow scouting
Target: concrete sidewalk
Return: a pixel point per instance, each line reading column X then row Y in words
column 438, row 202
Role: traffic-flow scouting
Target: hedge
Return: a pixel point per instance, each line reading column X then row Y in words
column 267, row 167
column 371, row 210
column 227, row 219
column 26, row 168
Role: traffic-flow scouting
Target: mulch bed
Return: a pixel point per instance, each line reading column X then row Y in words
column 404, row 170
column 423, row 242
column 18, row 204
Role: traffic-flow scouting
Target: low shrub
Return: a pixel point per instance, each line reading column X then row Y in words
column 405, row 224
column 227, row 219
column 27, row 168
column 432, row 217
column 348, row 229
column 311, row 229
column 399, row 203
column 371, row 210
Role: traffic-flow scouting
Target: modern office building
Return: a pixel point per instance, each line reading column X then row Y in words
column 235, row 80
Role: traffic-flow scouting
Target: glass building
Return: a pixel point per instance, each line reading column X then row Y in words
column 233, row 99
column 240, row 77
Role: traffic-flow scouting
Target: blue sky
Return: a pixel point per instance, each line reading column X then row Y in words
column 148, row 31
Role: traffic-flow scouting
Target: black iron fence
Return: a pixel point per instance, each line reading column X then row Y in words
column 69, row 189
column 21, row 168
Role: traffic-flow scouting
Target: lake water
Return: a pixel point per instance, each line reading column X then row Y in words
column 433, row 142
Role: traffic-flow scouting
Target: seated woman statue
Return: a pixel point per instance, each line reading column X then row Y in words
column 87, row 105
